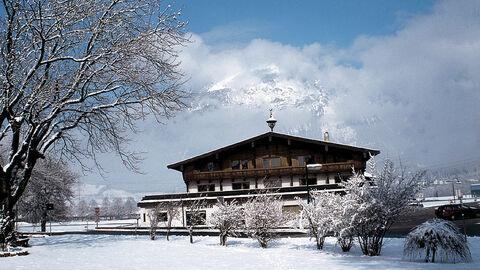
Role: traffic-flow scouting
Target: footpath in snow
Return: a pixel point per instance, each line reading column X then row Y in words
column 128, row 252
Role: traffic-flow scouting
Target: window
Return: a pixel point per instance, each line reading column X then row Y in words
column 338, row 179
column 210, row 166
column 207, row 187
column 272, row 182
column 311, row 181
column 144, row 217
column 291, row 209
column 237, row 164
column 244, row 164
column 240, row 185
column 308, row 159
column 198, row 219
column 271, row 162
column 162, row 217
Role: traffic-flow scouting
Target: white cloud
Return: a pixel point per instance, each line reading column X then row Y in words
column 414, row 95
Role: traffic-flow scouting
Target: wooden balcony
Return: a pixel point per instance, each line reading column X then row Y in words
column 279, row 171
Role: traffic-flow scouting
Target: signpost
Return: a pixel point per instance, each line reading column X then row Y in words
column 49, row 207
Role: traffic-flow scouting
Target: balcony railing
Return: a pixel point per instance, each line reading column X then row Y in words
column 279, row 171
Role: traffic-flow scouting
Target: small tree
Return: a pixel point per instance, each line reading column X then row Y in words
column 171, row 210
column 51, row 182
column 378, row 203
column 317, row 215
column 92, row 204
column 154, row 217
column 130, row 206
column 81, row 209
column 106, row 207
column 227, row 218
column 263, row 213
column 195, row 216
column 117, row 209
column 343, row 211
column 437, row 237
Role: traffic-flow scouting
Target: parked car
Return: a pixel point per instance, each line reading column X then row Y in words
column 455, row 211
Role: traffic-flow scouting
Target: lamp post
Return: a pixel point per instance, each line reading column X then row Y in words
column 311, row 167
column 456, row 181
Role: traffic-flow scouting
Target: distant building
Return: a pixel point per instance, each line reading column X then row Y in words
column 475, row 189
column 270, row 161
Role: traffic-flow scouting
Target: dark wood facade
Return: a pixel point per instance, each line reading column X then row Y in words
column 270, row 156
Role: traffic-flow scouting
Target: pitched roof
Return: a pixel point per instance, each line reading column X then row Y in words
column 176, row 166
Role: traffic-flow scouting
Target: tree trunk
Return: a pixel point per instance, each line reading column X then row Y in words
column 153, row 232
column 43, row 221
column 168, row 234
column 44, row 224
column 320, row 241
column 7, row 216
column 223, row 239
column 190, row 233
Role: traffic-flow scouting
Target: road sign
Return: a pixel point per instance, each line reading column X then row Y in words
column 49, row 206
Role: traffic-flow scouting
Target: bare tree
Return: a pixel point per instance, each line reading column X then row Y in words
column 263, row 214
column 51, row 182
column 117, row 209
column 75, row 76
column 130, row 206
column 195, row 215
column 170, row 210
column 92, row 204
column 227, row 218
column 154, row 216
column 378, row 202
column 81, row 209
column 106, row 207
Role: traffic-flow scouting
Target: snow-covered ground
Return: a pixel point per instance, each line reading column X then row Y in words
column 76, row 225
column 128, row 252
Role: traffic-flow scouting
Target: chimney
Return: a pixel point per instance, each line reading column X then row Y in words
column 326, row 137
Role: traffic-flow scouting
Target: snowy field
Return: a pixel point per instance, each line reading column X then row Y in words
column 76, row 225
column 128, row 252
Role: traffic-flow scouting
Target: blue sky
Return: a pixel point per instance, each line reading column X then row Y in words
column 298, row 22
column 398, row 76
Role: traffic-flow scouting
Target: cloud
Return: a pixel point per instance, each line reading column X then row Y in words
column 414, row 95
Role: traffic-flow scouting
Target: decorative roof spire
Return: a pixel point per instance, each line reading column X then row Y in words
column 271, row 121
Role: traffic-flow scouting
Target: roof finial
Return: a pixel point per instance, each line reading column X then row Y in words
column 271, row 121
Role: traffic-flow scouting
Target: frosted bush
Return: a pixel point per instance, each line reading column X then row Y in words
column 437, row 239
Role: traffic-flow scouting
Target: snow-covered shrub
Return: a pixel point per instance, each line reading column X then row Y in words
column 195, row 215
column 378, row 202
column 437, row 239
column 317, row 215
column 227, row 218
column 263, row 213
column 343, row 208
